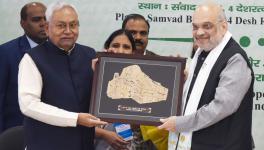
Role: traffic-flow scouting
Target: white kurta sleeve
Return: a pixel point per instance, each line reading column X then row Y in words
column 29, row 94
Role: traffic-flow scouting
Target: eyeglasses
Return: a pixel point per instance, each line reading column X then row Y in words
column 63, row 26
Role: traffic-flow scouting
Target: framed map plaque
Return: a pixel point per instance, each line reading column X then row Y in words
column 137, row 89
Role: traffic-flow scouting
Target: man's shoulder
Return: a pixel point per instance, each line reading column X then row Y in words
column 84, row 46
column 233, row 52
column 12, row 43
column 150, row 53
column 85, row 49
column 232, row 48
column 11, row 48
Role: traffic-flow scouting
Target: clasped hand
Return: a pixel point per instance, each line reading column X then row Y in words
column 89, row 120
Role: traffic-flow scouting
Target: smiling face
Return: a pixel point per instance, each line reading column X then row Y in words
column 121, row 44
column 208, row 28
column 63, row 28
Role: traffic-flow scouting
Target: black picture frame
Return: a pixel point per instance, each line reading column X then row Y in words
column 168, row 71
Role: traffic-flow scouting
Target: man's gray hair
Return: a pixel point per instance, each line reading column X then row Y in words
column 219, row 8
column 56, row 6
column 222, row 15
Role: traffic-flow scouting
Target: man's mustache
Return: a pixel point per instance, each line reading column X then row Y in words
column 139, row 42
